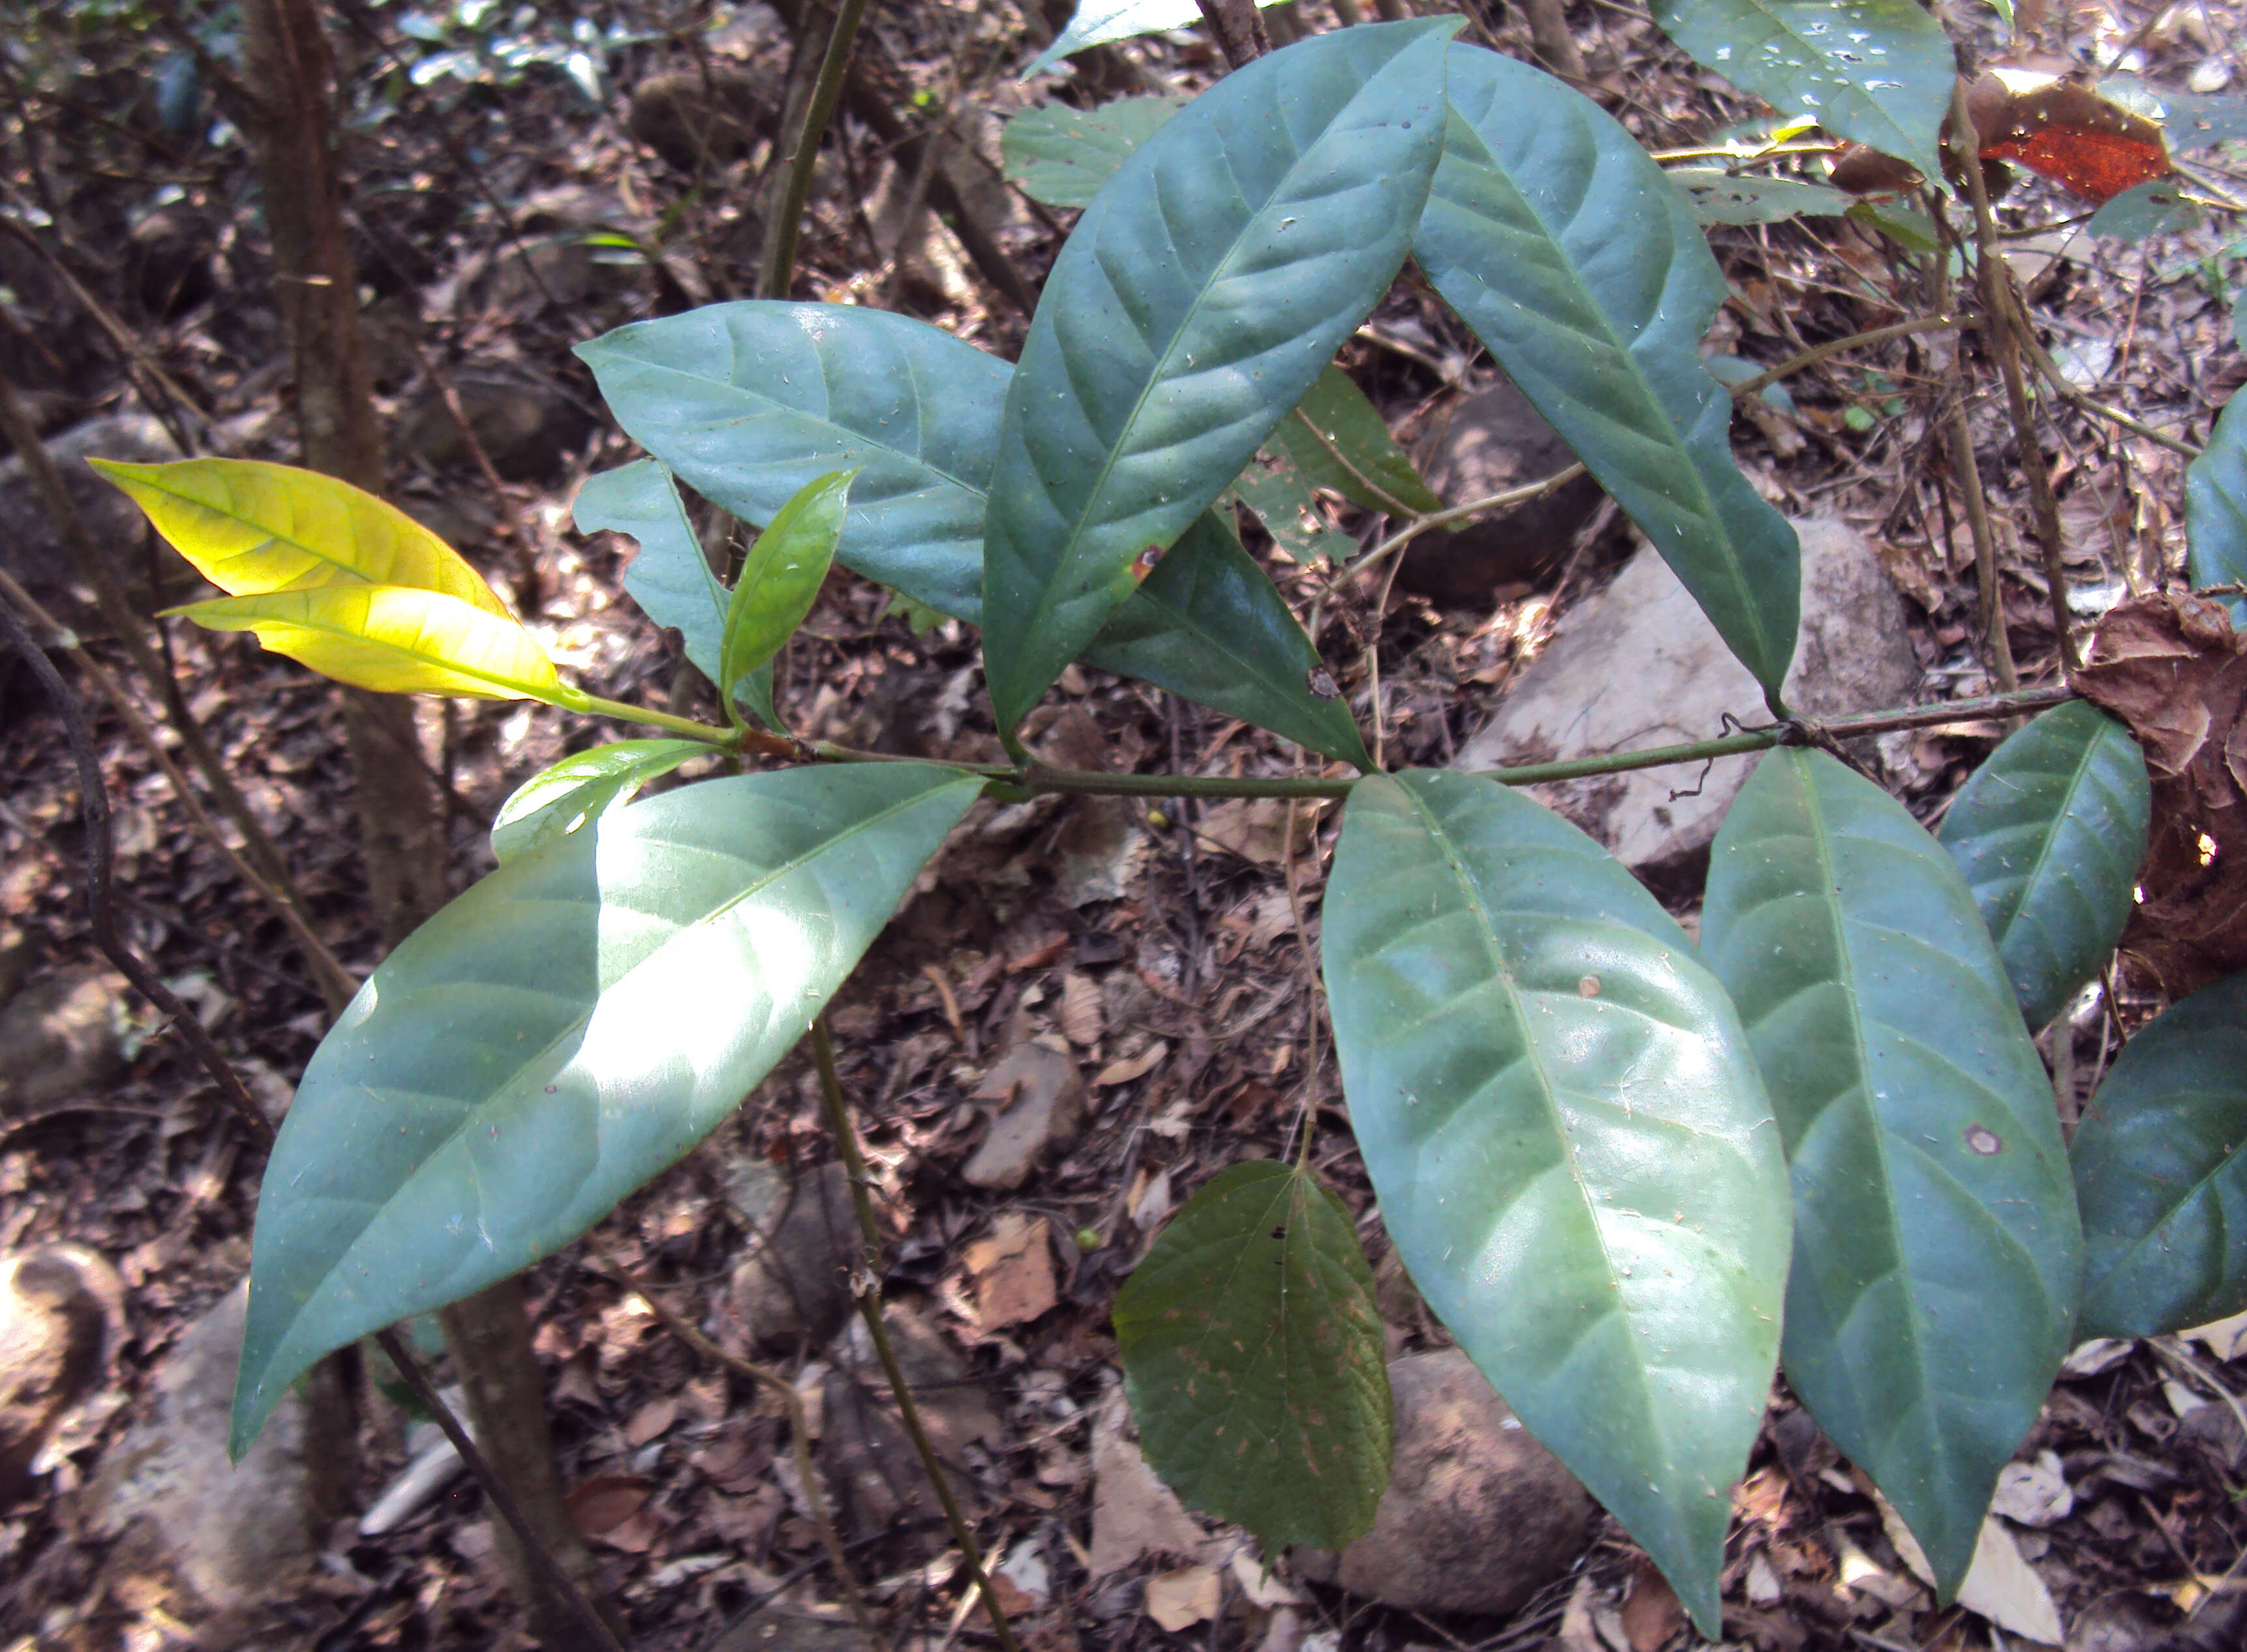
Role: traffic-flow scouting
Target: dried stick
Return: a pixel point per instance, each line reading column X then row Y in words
column 866, row 1288
column 1237, row 30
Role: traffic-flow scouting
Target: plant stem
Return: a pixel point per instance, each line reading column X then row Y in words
column 866, row 1288
column 753, row 740
column 779, row 271
column 1817, row 354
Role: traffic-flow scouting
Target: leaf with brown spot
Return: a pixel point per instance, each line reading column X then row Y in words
column 2172, row 668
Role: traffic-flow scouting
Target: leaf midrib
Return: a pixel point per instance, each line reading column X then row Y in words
column 2051, row 835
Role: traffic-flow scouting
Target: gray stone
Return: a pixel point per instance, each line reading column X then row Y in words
column 60, row 1310
column 60, row 1038
column 1639, row 664
column 1478, row 1516
column 794, row 1286
column 227, row 1537
column 32, row 548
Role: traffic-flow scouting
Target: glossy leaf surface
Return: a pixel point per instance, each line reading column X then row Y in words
column 1254, row 1360
column 1209, row 282
column 560, row 1033
column 2161, row 1169
column 780, row 577
column 1569, row 1141
column 250, row 528
column 395, row 640
column 581, row 789
column 1936, row 1253
column 1715, row 196
column 671, row 577
column 1875, row 72
column 2049, row 833
column 1062, row 156
column 2215, row 506
column 1099, row 22
column 753, row 425
column 1339, row 441
column 1566, row 249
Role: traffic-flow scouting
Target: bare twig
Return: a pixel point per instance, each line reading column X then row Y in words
column 1237, row 30
column 866, row 1288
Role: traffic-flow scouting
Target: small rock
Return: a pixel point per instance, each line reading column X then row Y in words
column 60, row 1038
column 526, row 428
column 692, row 119
column 32, row 548
column 794, row 1286
column 1856, row 654
column 226, row 1536
column 1478, row 1516
column 1493, row 440
column 1042, row 1093
column 61, row 1308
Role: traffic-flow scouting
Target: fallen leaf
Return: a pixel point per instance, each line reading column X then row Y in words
column 1152, row 1203
column 1651, row 1613
column 1079, row 1012
column 652, row 1419
column 598, row 1506
column 1043, row 1093
column 2225, row 1339
column 1261, row 1589
column 1132, row 1068
column 2100, row 1354
column 1256, row 828
column 2000, row 1587
column 1134, row 1514
column 1181, row 1599
column 1013, row 1270
column 2033, row 1493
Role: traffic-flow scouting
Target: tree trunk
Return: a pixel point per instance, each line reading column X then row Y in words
column 289, row 72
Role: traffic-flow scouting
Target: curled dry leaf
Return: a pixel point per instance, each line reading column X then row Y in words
column 2171, row 667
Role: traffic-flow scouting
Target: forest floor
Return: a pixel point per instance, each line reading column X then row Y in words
column 1161, row 952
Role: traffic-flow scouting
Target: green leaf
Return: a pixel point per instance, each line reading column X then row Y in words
column 1714, row 195
column 1209, row 625
column 2188, row 120
column 671, row 578
column 2215, row 506
column 2161, row 1170
column 1254, row 1360
column 1562, row 245
column 394, row 639
column 1877, row 72
column 252, row 528
column 559, row 1033
column 780, row 577
column 2157, row 207
column 1569, row 1141
column 581, row 789
column 1936, row 1252
column 1340, row 441
column 1908, row 227
column 1209, row 282
column 1062, row 156
column 750, row 401
column 1280, row 496
column 2049, row 833
column 1097, row 22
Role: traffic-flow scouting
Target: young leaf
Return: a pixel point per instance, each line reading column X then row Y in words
column 2215, row 506
column 1061, row 156
column 1340, row 441
column 1878, row 72
column 250, row 528
column 2049, row 833
column 780, row 577
column 1211, row 279
column 1714, row 195
column 1280, row 496
column 559, row 1033
column 1099, row 22
column 394, row 639
column 750, row 401
column 581, row 789
column 1936, row 1252
column 1209, row 625
column 2161, row 1171
column 1254, row 1361
column 671, row 577
column 1569, row 1141
column 1563, row 246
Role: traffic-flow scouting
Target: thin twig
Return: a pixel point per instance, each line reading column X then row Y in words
column 866, row 1288
column 799, row 1427
column 1817, row 354
column 1413, row 529
column 778, row 273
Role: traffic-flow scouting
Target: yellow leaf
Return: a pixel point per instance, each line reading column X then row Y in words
column 396, row 640
column 250, row 528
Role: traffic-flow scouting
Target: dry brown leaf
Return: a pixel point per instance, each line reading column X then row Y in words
column 2172, row 669
column 1256, row 828
column 1013, row 1270
column 1651, row 1614
column 1181, row 1599
column 1134, row 1514
column 1079, row 1012
column 650, row 1419
column 1133, row 1067
column 598, row 1506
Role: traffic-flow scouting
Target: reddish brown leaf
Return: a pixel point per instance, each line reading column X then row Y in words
column 2172, row 669
column 600, row 1505
column 1652, row 1615
column 2068, row 133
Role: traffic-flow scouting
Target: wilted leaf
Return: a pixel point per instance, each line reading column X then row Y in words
column 1062, row 156
column 2066, row 131
column 251, row 527
column 2161, row 1171
column 581, row 789
column 2174, row 671
column 1253, row 1358
column 395, row 639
